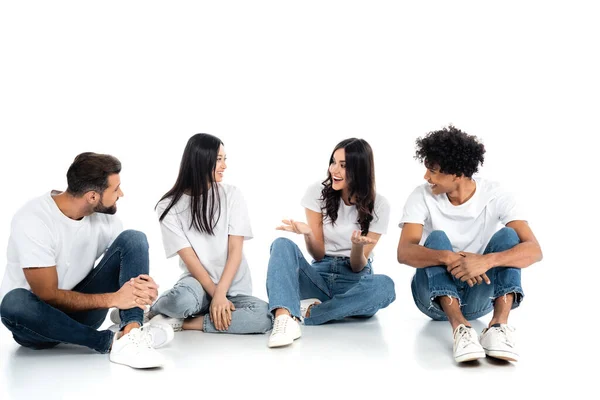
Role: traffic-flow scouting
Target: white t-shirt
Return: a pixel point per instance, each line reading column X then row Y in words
column 469, row 226
column 337, row 237
column 42, row 236
column 211, row 250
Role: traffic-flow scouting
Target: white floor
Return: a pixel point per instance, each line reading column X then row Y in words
column 399, row 352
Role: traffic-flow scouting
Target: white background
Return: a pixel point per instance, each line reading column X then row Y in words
column 281, row 83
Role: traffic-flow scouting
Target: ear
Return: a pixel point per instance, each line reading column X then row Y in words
column 92, row 197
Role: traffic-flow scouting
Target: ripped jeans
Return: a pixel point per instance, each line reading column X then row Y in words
column 432, row 282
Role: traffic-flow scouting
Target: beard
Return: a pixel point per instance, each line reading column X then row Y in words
column 102, row 209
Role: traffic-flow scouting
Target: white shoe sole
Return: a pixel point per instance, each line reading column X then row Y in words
column 279, row 343
column 136, row 365
column 502, row 355
column 470, row 356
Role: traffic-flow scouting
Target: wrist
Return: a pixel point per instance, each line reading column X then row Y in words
column 219, row 293
column 446, row 257
column 491, row 260
column 110, row 300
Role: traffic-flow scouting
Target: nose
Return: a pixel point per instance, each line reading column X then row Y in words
column 426, row 176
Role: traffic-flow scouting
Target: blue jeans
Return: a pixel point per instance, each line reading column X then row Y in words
column 432, row 282
column 38, row 325
column 188, row 298
column 344, row 293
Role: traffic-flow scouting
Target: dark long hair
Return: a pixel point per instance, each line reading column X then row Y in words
column 360, row 178
column 196, row 178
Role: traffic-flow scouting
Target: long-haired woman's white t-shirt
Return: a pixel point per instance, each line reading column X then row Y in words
column 337, row 236
column 212, row 250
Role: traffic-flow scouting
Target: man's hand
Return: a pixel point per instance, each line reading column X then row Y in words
column 470, row 268
column 137, row 292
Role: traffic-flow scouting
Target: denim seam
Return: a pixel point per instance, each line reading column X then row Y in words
column 22, row 327
column 504, row 291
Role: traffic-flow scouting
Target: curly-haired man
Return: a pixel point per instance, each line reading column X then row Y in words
column 468, row 241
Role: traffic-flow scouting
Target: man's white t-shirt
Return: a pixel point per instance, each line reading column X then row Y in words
column 469, row 226
column 42, row 236
column 337, row 237
column 212, row 251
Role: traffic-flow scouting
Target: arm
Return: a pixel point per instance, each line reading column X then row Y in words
column 193, row 264
column 362, row 246
column 411, row 253
column 315, row 243
column 44, row 284
column 234, row 259
column 527, row 252
column 220, row 306
column 522, row 255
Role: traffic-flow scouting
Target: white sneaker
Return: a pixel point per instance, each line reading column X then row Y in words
column 160, row 334
column 135, row 350
column 115, row 317
column 306, row 304
column 499, row 342
column 285, row 330
column 175, row 323
column 466, row 344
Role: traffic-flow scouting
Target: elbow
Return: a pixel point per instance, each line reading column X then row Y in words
column 540, row 256
column 47, row 296
column 400, row 256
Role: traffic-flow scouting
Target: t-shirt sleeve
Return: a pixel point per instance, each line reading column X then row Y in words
column 415, row 209
column 507, row 208
column 312, row 196
column 33, row 241
column 171, row 228
column 239, row 220
column 381, row 219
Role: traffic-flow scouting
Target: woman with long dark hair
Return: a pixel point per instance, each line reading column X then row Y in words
column 205, row 222
column 345, row 218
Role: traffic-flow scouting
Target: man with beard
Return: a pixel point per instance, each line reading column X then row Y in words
column 52, row 293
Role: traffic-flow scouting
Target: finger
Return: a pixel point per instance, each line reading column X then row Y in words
column 146, row 284
column 231, row 306
column 470, row 282
column 486, row 279
column 478, row 279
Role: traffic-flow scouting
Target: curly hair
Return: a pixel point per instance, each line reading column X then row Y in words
column 360, row 175
column 454, row 151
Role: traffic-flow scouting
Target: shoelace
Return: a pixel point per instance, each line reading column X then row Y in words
column 280, row 325
column 142, row 337
column 465, row 336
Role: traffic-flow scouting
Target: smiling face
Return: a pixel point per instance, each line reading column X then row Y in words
column 221, row 165
column 337, row 169
column 440, row 182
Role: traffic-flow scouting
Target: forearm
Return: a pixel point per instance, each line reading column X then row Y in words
column 521, row 256
column 418, row 256
column 315, row 248
column 205, row 280
column 231, row 268
column 357, row 258
column 69, row 301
